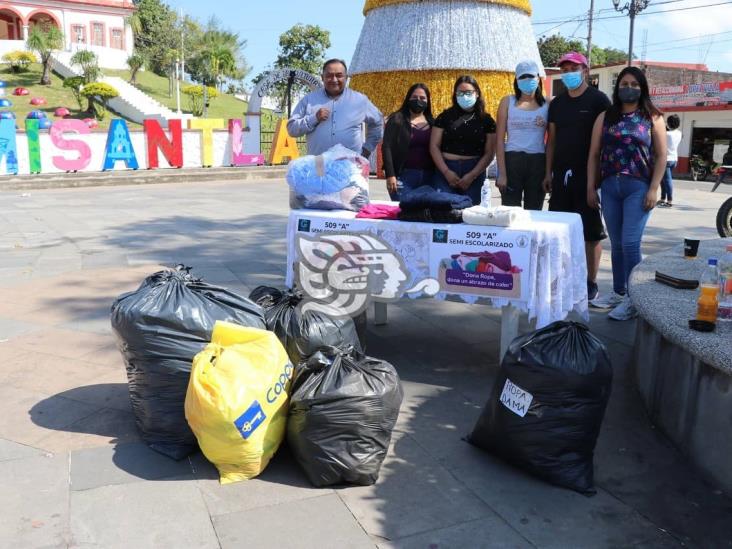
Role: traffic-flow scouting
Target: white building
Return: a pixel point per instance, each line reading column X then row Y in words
column 97, row 25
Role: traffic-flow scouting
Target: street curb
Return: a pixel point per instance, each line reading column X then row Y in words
column 139, row 177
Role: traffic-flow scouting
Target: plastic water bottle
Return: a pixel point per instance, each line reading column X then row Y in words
column 708, row 295
column 724, row 312
column 485, row 194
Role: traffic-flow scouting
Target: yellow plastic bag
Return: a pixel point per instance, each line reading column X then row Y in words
column 237, row 399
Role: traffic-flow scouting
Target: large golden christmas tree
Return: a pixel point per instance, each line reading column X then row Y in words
column 435, row 41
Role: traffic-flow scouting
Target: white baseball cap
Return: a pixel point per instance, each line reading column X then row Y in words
column 527, row 67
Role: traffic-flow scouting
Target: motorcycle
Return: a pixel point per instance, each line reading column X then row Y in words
column 724, row 219
column 700, row 168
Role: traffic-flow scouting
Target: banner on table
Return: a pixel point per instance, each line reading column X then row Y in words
column 481, row 261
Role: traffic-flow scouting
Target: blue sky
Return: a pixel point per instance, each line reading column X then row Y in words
column 673, row 34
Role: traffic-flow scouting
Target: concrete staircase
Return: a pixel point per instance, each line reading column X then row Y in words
column 131, row 103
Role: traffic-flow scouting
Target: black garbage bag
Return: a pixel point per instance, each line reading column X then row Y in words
column 303, row 334
column 547, row 405
column 343, row 408
column 160, row 327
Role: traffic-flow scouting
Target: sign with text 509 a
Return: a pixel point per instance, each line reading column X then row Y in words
column 315, row 225
column 485, row 261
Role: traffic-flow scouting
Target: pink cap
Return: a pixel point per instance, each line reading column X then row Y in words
column 572, row 57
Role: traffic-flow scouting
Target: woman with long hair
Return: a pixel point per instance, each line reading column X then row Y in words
column 520, row 140
column 629, row 151
column 406, row 146
column 463, row 141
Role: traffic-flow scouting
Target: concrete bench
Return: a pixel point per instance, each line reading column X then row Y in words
column 684, row 377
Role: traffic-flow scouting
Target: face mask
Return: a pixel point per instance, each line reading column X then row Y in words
column 467, row 101
column 572, row 80
column 417, row 106
column 528, row 85
column 629, row 95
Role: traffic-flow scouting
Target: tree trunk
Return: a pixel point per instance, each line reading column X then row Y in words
column 46, row 76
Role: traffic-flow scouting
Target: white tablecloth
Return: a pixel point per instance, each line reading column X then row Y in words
column 557, row 277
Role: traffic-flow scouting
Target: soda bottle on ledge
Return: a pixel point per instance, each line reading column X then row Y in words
column 724, row 313
column 709, row 293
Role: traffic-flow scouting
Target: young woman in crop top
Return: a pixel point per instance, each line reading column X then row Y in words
column 406, row 146
column 463, row 141
column 520, row 142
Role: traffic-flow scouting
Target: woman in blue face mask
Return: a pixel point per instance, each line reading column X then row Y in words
column 463, row 142
column 520, row 141
column 628, row 149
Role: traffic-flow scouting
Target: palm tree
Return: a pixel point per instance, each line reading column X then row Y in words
column 135, row 62
column 45, row 42
column 88, row 62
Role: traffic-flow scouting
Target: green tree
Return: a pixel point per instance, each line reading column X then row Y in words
column 218, row 56
column 551, row 48
column 158, row 34
column 45, row 41
column 301, row 47
column 88, row 62
column 135, row 62
column 100, row 93
column 195, row 97
column 75, row 83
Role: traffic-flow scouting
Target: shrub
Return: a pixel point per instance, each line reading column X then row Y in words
column 195, row 97
column 101, row 93
column 19, row 60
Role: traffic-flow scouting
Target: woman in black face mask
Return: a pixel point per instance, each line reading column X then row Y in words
column 629, row 151
column 406, row 146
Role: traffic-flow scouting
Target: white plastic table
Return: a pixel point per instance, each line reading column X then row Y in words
column 547, row 247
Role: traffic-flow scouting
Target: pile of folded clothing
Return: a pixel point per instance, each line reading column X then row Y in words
column 500, row 216
column 429, row 205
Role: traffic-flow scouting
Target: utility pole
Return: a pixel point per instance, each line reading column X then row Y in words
column 182, row 46
column 633, row 8
column 589, row 34
column 177, row 84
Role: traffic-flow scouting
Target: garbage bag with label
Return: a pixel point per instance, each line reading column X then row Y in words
column 547, row 405
column 160, row 327
column 236, row 402
column 303, row 333
column 343, row 409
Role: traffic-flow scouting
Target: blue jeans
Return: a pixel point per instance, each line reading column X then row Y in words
column 625, row 219
column 667, row 183
column 460, row 167
column 411, row 178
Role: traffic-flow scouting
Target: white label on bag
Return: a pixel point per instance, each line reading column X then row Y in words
column 516, row 399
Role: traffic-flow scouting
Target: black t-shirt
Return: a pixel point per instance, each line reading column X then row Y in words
column 574, row 118
column 464, row 133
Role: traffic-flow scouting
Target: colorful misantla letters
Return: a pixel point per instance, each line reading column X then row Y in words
column 172, row 148
column 238, row 157
column 119, row 146
column 207, row 126
column 34, row 144
column 283, row 145
column 57, row 138
column 8, row 145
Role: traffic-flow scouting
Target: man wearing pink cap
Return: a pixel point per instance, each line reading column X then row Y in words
column 571, row 117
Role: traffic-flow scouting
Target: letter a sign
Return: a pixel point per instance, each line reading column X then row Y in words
column 283, row 145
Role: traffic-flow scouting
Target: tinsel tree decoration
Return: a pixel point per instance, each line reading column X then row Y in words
column 435, row 41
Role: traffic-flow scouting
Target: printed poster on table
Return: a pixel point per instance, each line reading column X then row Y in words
column 482, row 261
column 316, row 224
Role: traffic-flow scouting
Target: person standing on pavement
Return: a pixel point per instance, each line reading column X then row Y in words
column 520, row 141
column 571, row 117
column 673, row 138
column 406, row 146
column 335, row 115
column 463, row 141
column 629, row 147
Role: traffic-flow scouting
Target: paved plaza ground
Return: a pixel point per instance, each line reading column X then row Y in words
column 74, row 472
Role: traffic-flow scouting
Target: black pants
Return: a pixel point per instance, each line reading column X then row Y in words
column 524, row 175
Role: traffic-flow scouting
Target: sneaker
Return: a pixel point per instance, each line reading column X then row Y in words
column 607, row 302
column 624, row 311
column 593, row 291
column 660, row 203
column 664, row 205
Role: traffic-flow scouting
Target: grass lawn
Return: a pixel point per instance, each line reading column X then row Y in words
column 55, row 95
column 224, row 106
